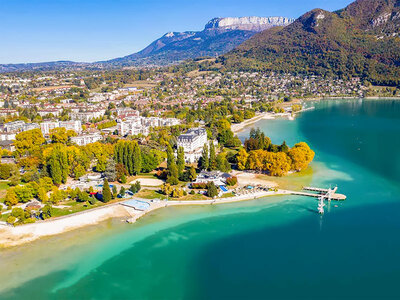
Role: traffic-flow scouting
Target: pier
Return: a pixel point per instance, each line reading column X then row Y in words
column 321, row 194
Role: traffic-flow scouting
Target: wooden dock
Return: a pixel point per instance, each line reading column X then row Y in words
column 321, row 194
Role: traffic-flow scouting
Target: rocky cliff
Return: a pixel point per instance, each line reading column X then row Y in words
column 248, row 23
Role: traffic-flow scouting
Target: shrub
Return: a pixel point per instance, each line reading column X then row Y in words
column 199, row 185
column 231, row 181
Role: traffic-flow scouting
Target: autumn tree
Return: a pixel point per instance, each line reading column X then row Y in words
column 301, row 155
column 29, row 142
column 242, row 159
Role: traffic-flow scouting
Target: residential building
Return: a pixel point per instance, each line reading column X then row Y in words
column 75, row 125
column 85, row 139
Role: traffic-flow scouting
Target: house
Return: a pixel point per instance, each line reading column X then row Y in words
column 5, row 112
column 193, row 142
column 8, row 145
column 218, row 177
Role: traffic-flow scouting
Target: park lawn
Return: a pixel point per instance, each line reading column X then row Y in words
column 150, row 194
column 227, row 195
column 3, row 189
column 73, row 207
column 192, row 197
column 4, row 217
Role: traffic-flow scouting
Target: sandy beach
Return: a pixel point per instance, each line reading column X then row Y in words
column 261, row 116
column 12, row 236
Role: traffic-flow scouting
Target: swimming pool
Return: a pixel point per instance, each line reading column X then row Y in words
column 137, row 204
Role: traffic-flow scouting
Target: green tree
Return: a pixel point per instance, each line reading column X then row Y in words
column 137, row 159
column 11, row 198
column 192, row 174
column 122, row 191
column 47, row 211
column 58, row 165
column 222, row 163
column 212, row 190
column 213, row 160
column 42, row 195
column 172, row 177
column 204, row 159
column 180, row 161
column 79, row 171
column 114, row 191
column 110, row 172
column 106, row 191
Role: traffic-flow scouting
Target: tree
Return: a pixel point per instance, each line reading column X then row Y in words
column 170, row 157
column 204, row 159
column 138, row 186
column 47, row 211
column 58, row 164
column 213, row 160
column 24, row 193
column 110, row 172
column 42, row 195
column 29, row 141
column 11, row 197
column 59, row 135
column 137, row 159
column 212, row 190
column 46, row 183
column 114, row 192
column 222, row 163
column 79, row 171
column 172, row 177
column 284, row 147
column 242, row 159
column 180, row 161
column 106, row 191
column 82, row 196
column 166, row 189
column 301, row 155
column 192, row 174
column 121, row 172
column 122, row 191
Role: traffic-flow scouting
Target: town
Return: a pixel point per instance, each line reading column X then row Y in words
column 77, row 140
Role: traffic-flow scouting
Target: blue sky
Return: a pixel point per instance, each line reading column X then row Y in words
column 92, row 30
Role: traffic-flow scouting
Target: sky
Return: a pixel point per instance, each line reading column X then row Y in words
column 94, row 30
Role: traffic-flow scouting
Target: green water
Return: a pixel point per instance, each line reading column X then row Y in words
column 273, row 248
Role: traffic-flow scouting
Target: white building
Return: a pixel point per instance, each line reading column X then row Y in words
column 86, row 116
column 142, row 125
column 85, row 139
column 47, row 126
column 193, row 142
column 74, row 125
column 54, row 111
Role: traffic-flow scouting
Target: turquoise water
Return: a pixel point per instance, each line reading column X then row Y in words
column 273, row 248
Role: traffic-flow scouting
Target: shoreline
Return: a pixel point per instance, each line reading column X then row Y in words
column 11, row 236
column 236, row 128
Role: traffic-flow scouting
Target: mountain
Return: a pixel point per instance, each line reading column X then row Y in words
column 219, row 36
column 44, row 66
column 359, row 40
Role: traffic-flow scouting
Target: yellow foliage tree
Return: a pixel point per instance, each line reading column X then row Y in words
column 242, row 159
column 301, row 156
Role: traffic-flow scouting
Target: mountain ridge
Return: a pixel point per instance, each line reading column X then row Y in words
column 358, row 40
